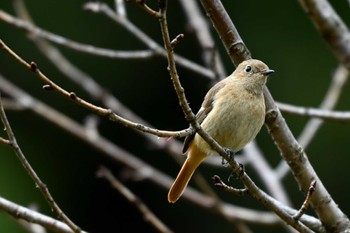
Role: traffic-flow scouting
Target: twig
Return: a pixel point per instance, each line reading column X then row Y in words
column 220, row 184
column 43, row 188
column 148, row 215
column 253, row 189
column 93, row 108
column 307, row 201
column 32, row 217
column 149, row 10
column 5, row 141
column 177, row 40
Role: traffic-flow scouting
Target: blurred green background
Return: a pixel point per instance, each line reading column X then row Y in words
column 277, row 32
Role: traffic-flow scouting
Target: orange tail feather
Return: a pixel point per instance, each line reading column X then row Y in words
column 184, row 176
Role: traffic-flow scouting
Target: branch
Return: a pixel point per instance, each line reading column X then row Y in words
column 50, row 85
column 220, row 184
column 43, row 188
column 307, row 201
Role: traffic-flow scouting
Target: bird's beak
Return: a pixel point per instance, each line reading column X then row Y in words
column 267, row 72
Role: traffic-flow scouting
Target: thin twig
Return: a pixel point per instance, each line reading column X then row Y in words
column 43, row 188
column 148, row 215
column 93, row 108
column 307, row 201
column 220, row 184
column 5, row 141
column 149, row 10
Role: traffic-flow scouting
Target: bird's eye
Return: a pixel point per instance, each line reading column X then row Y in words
column 248, row 69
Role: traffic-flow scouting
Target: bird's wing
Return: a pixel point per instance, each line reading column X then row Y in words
column 203, row 112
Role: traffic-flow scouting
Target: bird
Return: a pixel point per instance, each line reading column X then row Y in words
column 232, row 112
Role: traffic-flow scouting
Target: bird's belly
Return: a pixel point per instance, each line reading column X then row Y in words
column 234, row 125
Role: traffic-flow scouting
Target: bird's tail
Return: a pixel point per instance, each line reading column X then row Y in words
column 184, row 176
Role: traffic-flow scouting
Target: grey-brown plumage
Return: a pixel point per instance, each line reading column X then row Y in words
column 233, row 112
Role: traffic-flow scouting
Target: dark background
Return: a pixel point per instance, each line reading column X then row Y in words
column 277, row 32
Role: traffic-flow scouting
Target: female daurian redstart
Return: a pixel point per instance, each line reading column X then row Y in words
column 233, row 112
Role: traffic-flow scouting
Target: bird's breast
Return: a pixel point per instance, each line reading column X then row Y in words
column 235, row 119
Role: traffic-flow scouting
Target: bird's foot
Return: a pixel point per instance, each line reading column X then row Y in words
column 231, row 154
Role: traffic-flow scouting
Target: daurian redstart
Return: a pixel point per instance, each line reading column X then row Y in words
column 233, row 112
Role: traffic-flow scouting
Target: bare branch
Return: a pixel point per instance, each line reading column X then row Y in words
column 220, row 184
column 96, row 109
column 307, row 201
